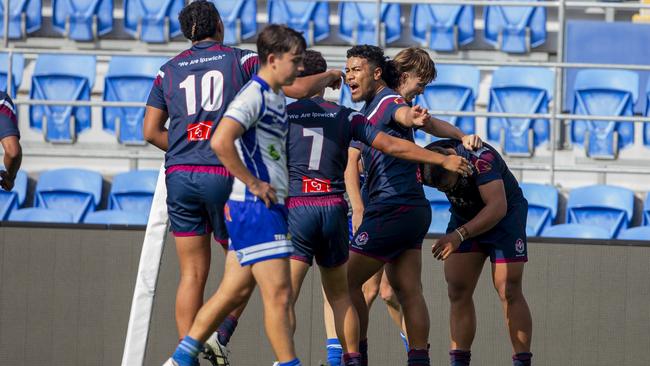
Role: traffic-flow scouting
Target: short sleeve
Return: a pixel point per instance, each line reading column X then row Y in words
column 395, row 104
column 362, row 130
column 8, row 120
column 487, row 167
column 250, row 64
column 356, row 144
column 156, row 95
column 247, row 106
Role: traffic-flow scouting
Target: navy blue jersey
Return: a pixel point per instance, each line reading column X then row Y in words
column 488, row 166
column 8, row 120
column 195, row 88
column 317, row 148
column 390, row 180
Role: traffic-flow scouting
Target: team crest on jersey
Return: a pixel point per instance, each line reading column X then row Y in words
column 316, row 185
column 199, row 131
column 273, row 152
column 482, row 166
column 519, row 246
column 361, row 239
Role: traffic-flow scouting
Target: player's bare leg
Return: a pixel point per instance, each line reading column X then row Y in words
column 346, row 320
column 360, row 269
column 508, row 278
column 298, row 270
column 194, row 259
column 371, row 287
column 392, row 303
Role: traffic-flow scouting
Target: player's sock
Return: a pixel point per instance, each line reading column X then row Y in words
column 406, row 341
column 226, row 329
column 363, row 349
column 459, row 357
column 522, row 359
column 419, row 357
column 294, row 362
column 334, row 352
column 352, row 359
column 187, row 351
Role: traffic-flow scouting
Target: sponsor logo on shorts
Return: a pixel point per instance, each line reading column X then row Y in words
column 280, row 237
column 519, row 246
column 361, row 239
column 199, row 131
column 240, row 256
column 316, row 185
column 226, row 212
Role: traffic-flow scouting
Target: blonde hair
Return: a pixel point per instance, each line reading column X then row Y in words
column 415, row 60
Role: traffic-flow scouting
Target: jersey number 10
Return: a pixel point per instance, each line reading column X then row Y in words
column 211, row 91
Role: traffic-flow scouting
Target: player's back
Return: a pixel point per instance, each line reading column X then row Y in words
column 195, row 88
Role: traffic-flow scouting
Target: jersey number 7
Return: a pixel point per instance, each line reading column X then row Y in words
column 316, row 146
column 211, row 91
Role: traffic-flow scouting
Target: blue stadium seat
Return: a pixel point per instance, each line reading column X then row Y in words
column 608, row 207
column 520, row 90
column 576, row 231
column 116, row 217
column 646, row 126
column 77, row 191
column 635, row 233
column 455, row 89
column 82, row 20
column 153, row 21
column 37, row 214
column 440, row 214
column 239, row 19
column 605, row 93
column 133, row 191
column 442, row 27
column 10, row 201
column 345, row 99
column 128, row 79
column 646, row 210
column 62, row 77
column 17, row 68
column 542, row 206
column 515, row 29
column 309, row 17
column 24, row 17
column 358, row 23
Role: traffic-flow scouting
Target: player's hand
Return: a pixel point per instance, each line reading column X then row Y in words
column 472, row 142
column 446, row 245
column 357, row 217
column 264, row 191
column 420, row 115
column 457, row 164
column 6, row 182
column 336, row 79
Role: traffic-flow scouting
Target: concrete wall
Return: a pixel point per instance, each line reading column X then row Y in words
column 65, row 298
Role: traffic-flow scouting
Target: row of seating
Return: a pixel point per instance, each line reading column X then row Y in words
column 440, row 27
column 529, row 90
column 73, row 195
column 605, row 211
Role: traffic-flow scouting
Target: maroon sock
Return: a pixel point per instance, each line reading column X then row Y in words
column 419, row 357
column 226, row 329
column 352, row 359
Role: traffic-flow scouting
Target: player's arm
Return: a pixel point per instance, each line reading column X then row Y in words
column 407, row 150
column 411, row 117
column 444, row 129
column 13, row 156
column 311, row 85
column 353, row 187
column 154, row 127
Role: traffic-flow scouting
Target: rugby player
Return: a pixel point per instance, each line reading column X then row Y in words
column 9, row 139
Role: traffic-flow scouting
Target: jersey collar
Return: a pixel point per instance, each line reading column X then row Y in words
column 264, row 84
column 205, row 44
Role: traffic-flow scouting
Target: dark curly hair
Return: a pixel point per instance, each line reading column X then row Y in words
column 433, row 173
column 200, row 20
column 314, row 63
column 375, row 56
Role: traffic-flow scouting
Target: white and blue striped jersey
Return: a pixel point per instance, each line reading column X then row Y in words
column 262, row 148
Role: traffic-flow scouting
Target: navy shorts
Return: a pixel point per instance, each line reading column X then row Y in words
column 388, row 230
column 504, row 243
column 319, row 228
column 196, row 196
column 257, row 233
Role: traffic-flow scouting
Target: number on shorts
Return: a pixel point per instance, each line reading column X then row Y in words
column 316, row 146
column 211, row 91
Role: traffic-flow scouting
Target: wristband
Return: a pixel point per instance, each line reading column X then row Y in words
column 462, row 238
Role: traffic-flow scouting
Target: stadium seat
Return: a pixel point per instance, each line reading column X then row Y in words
column 309, row 17
column 358, row 23
column 133, row 191
column 646, row 126
column 542, row 206
column 576, row 231
column 442, row 27
column 239, row 19
column 128, row 79
column 345, row 99
column 17, row 68
column 646, row 210
column 62, row 77
column 515, row 29
column 635, row 233
column 608, row 207
column 77, row 191
column 36, row 214
column 520, row 90
column 153, row 21
column 10, row 201
column 24, row 17
column 116, row 217
column 455, row 89
column 82, row 20
column 604, row 93
column 440, row 214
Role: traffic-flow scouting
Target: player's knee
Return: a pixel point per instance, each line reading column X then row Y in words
column 195, row 275
column 387, row 294
column 509, row 291
column 458, row 292
column 281, row 296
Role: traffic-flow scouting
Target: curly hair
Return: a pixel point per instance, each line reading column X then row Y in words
column 375, row 56
column 433, row 173
column 314, row 63
column 277, row 39
column 200, row 20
